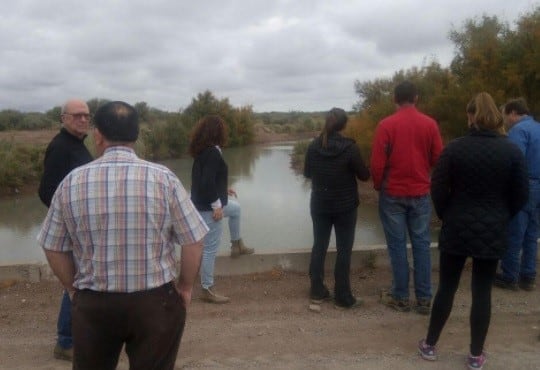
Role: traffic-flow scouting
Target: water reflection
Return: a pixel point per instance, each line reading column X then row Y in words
column 275, row 199
column 20, row 219
column 275, row 206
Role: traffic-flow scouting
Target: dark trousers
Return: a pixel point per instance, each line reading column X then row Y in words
column 450, row 270
column 344, row 225
column 150, row 324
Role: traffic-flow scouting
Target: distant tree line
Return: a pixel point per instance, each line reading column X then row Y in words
column 490, row 55
column 291, row 122
column 163, row 134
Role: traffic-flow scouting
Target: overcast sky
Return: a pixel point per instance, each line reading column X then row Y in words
column 274, row 54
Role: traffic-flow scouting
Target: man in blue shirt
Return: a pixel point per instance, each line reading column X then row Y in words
column 518, row 266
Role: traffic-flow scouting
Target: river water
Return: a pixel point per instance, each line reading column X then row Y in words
column 274, row 200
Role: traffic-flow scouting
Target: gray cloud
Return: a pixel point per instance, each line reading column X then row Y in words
column 278, row 55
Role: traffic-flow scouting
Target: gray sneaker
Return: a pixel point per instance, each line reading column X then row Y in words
column 210, row 296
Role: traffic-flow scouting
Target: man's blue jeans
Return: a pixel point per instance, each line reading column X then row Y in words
column 522, row 239
column 63, row 325
column 400, row 215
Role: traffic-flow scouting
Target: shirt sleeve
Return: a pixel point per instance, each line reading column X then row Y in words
column 307, row 162
column 55, row 168
column 357, row 164
column 54, row 235
column 379, row 153
column 436, row 147
column 440, row 184
column 188, row 225
column 519, row 137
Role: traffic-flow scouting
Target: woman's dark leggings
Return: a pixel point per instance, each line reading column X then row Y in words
column 344, row 225
column 450, row 270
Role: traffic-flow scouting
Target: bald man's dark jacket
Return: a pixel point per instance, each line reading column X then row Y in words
column 64, row 153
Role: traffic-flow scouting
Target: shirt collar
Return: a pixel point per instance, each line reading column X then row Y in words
column 120, row 150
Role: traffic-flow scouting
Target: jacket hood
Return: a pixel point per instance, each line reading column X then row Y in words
column 336, row 145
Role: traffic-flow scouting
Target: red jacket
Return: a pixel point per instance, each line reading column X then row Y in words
column 406, row 146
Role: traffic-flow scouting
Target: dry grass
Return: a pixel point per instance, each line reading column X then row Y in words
column 37, row 137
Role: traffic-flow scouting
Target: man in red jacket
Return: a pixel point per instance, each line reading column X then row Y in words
column 406, row 146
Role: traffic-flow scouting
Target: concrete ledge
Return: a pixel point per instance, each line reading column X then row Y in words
column 31, row 273
column 294, row 260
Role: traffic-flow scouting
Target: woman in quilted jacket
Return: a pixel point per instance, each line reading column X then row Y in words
column 478, row 184
column 333, row 163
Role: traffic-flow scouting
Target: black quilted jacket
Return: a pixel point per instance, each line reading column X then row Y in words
column 333, row 171
column 478, row 184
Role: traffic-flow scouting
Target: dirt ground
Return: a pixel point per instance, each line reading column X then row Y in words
column 267, row 325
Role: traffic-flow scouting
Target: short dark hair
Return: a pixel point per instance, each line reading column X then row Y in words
column 405, row 92
column 518, row 105
column 117, row 121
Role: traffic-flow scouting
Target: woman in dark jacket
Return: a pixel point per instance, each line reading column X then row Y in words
column 333, row 163
column 478, row 184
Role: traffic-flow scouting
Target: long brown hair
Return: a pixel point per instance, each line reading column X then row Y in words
column 485, row 113
column 211, row 130
column 336, row 119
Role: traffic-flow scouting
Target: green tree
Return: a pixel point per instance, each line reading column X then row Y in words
column 522, row 55
column 95, row 103
column 142, row 110
column 54, row 114
column 10, row 119
column 479, row 62
column 240, row 121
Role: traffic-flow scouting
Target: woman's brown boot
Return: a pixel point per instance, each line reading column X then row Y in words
column 238, row 248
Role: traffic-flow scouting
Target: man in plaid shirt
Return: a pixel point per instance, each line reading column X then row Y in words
column 110, row 237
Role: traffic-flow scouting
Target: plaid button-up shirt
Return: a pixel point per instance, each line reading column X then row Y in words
column 121, row 217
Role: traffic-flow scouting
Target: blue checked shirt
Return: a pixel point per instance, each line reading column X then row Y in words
column 121, row 217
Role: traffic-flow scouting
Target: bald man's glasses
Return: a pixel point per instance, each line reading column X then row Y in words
column 79, row 116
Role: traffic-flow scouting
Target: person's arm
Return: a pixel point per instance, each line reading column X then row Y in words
column 63, row 266
column 440, row 183
column 189, row 268
column 519, row 137
column 188, row 230
column 379, row 153
column 55, row 168
column 436, row 147
column 307, row 162
column 207, row 188
column 358, row 166
column 518, row 193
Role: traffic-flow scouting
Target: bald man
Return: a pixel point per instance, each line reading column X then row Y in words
column 65, row 152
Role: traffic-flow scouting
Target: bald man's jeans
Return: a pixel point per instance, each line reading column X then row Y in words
column 150, row 323
column 63, row 325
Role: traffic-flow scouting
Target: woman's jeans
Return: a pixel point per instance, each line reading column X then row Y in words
column 212, row 240
column 400, row 215
column 344, row 225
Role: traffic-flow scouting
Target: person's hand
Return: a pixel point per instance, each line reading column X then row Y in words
column 232, row 193
column 217, row 214
column 184, row 293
